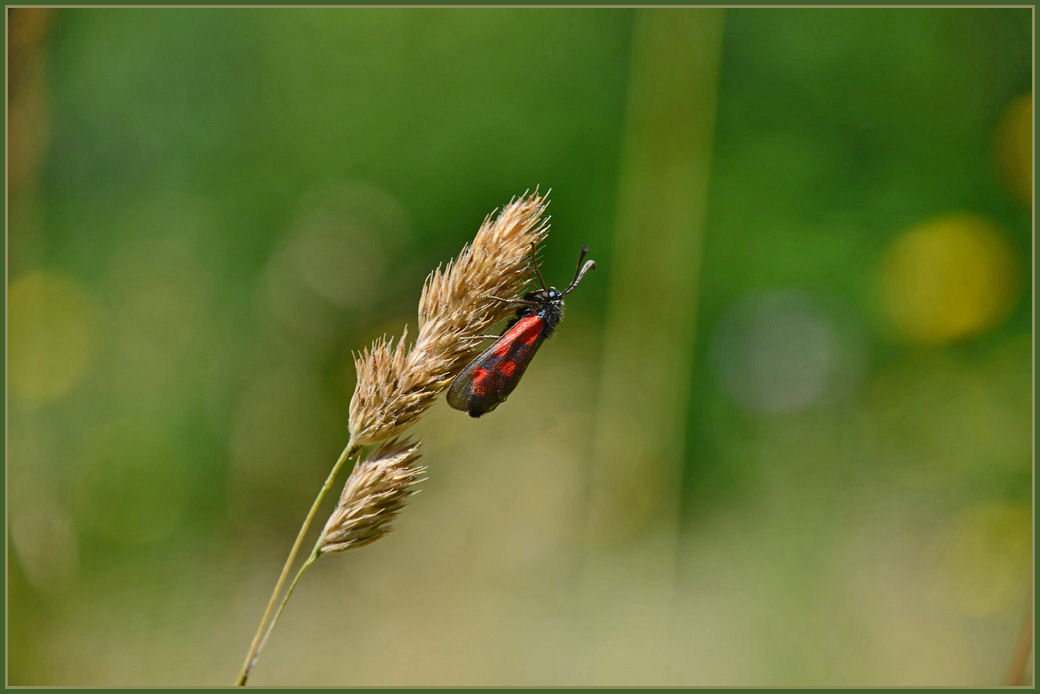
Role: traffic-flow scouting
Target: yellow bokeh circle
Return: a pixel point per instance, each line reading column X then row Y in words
column 51, row 334
column 1013, row 147
column 949, row 279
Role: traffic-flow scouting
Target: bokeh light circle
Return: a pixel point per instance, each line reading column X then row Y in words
column 950, row 278
column 776, row 352
column 44, row 539
column 334, row 257
column 51, row 333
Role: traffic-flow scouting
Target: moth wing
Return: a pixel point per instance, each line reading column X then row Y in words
column 492, row 376
column 461, row 390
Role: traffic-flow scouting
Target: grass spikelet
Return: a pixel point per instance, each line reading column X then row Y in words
column 375, row 492
column 393, row 389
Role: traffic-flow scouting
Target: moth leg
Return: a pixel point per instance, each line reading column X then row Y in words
column 511, row 301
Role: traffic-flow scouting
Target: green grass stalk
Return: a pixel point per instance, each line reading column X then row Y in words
column 260, row 638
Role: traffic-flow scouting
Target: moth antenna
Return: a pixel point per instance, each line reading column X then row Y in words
column 582, row 269
column 534, row 264
column 577, row 268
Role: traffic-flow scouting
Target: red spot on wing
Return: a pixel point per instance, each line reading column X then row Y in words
column 479, row 376
column 526, row 331
column 529, row 329
column 507, row 368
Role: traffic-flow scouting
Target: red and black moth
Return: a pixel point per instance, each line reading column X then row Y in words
column 489, row 379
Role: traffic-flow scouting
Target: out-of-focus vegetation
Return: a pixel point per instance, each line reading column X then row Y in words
column 828, row 481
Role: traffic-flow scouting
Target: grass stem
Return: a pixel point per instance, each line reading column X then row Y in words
column 260, row 638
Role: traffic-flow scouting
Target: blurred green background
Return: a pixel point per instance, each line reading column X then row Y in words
column 783, row 436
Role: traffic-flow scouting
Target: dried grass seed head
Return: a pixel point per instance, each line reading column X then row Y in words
column 373, row 495
column 395, row 386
